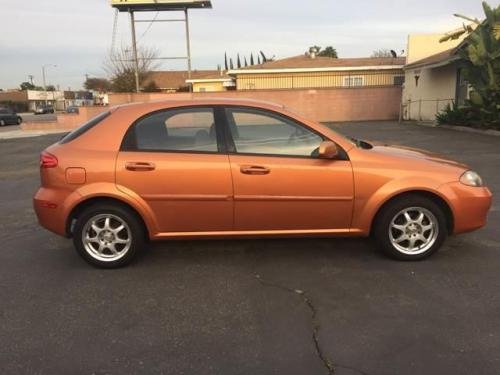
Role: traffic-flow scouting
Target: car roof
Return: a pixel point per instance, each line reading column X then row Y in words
column 152, row 105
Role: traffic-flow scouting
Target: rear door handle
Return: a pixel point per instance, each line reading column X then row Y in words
column 139, row 166
column 254, row 169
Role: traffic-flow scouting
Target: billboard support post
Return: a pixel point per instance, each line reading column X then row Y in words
column 132, row 6
column 188, row 43
column 134, row 50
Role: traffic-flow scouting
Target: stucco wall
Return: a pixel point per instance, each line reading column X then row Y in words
column 424, row 45
column 435, row 89
column 340, row 104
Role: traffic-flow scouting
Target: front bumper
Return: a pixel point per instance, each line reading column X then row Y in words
column 469, row 205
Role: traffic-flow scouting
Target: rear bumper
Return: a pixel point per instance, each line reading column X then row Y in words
column 470, row 205
column 50, row 210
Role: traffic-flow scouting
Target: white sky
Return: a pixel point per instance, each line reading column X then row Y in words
column 76, row 34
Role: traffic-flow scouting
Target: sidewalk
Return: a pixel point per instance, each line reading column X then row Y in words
column 18, row 133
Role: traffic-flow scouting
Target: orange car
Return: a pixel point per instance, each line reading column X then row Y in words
column 231, row 169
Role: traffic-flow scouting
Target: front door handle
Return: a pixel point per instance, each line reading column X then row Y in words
column 139, row 166
column 254, row 169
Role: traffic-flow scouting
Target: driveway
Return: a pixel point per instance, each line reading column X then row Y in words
column 311, row 306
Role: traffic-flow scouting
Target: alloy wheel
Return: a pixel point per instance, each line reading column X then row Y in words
column 413, row 230
column 106, row 237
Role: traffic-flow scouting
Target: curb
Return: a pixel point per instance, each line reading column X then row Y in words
column 471, row 130
column 459, row 128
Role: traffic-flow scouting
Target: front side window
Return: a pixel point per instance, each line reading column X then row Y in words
column 185, row 129
column 259, row 132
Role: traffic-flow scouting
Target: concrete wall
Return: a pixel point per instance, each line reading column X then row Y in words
column 66, row 120
column 435, row 89
column 339, row 104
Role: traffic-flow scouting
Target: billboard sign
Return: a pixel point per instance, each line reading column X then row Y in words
column 159, row 4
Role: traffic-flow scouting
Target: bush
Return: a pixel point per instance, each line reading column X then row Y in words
column 469, row 115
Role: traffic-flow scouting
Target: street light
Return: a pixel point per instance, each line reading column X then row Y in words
column 43, row 78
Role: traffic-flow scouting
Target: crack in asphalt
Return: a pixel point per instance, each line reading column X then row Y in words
column 315, row 324
column 329, row 365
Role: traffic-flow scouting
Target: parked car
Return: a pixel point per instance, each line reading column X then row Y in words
column 232, row 169
column 9, row 117
column 43, row 109
column 72, row 109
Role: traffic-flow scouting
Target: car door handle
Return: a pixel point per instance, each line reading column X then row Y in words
column 139, row 166
column 254, row 169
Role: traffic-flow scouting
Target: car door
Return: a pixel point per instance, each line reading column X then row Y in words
column 174, row 160
column 279, row 183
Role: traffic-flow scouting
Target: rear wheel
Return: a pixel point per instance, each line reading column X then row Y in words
column 108, row 236
column 412, row 227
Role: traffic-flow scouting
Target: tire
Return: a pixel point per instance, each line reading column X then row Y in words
column 19, row 121
column 2, row 122
column 410, row 228
column 108, row 248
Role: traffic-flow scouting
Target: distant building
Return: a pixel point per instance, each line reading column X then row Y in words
column 174, row 80
column 433, row 76
column 28, row 100
column 212, row 82
column 311, row 71
column 305, row 71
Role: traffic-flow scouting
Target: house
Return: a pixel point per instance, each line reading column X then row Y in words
column 311, row 71
column 433, row 76
column 174, row 80
column 218, row 81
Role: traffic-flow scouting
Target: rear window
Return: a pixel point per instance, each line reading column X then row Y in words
column 82, row 129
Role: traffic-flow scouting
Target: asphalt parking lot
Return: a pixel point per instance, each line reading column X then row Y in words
column 311, row 306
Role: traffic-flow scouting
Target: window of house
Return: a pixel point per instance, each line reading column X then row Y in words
column 353, row 81
column 260, row 132
column 399, row 80
column 186, row 129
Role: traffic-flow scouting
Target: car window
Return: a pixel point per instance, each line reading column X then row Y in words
column 184, row 129
column 261, row 132
column 85, row 127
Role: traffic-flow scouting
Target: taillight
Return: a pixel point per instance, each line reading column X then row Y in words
column 47, row 160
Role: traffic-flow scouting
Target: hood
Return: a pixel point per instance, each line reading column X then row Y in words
column 415, row 153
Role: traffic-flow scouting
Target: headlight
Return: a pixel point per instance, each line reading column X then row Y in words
column 471, row 178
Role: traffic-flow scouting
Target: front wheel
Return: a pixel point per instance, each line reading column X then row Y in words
column 412, row 227
column 108, row 236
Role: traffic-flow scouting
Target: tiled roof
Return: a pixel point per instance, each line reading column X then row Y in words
column 304, row 61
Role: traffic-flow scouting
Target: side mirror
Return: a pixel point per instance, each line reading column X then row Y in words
column 328, row 150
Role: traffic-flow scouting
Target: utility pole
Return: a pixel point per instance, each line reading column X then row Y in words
column 30, row 77
column 134, row 49
column 43, row 78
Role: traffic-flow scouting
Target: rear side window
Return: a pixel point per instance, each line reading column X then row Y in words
column 85, row 127
column 184, row 129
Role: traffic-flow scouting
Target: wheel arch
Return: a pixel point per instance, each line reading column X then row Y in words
column 94, row 200
column 433, row 196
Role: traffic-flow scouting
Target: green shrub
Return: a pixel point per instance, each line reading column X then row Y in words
column 473, row 115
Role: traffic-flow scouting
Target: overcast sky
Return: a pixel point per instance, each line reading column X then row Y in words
column 75, row 35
